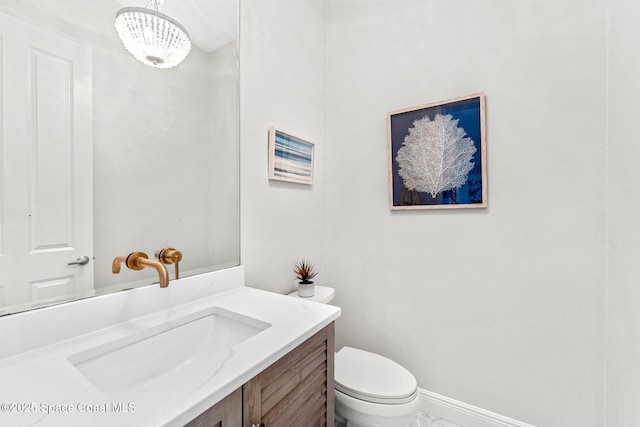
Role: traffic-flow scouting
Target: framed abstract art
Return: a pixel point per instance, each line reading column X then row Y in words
column 290, row 158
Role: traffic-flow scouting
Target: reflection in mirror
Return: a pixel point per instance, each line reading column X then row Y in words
column 103, row 156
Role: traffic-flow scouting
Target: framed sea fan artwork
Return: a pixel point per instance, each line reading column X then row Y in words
column 438, row 155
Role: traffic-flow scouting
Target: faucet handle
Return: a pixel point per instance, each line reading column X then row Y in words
column 169, row 256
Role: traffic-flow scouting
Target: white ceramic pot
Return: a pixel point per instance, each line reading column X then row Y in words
column 306, row 290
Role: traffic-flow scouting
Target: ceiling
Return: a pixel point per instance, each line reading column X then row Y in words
column 210, row 23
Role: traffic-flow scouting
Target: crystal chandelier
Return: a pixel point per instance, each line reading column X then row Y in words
column 152, row 37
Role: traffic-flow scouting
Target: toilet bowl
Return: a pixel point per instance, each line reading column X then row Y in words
column 371, row 390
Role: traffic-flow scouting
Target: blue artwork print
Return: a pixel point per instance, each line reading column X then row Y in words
column 293, row 157
column 290, row 158
column 437, row 155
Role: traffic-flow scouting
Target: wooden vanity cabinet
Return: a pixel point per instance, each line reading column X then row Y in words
column 226, row 413
column 295, row 391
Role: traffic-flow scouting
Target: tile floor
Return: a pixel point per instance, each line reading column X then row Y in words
column 422, row 420
column 426, row 420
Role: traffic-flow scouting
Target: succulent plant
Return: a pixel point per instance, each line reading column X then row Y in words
column 305, row 271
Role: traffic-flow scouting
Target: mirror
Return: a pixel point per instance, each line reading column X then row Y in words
column 103, row 155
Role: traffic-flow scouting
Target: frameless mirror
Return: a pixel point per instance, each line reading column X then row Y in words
column 102, row 155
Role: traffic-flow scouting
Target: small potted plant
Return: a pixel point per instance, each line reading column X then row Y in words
column 305, row 271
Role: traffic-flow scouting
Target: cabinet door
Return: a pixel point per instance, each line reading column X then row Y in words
column 226, row 413
column 297, row 390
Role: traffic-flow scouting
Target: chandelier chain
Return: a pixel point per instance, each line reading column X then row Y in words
column 155, row 5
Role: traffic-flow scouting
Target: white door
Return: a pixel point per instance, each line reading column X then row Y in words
column 46, row 187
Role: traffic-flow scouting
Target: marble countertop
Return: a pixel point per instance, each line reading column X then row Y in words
column 42, row 387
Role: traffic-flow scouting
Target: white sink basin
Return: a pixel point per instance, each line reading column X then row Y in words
column 186, row 351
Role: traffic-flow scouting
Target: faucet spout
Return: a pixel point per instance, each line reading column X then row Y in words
column 115, row 266
column 139, row 261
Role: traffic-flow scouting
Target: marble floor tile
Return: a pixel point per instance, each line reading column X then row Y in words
column 426, row 420
column 422, row 420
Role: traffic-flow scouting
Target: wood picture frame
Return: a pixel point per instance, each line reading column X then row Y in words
column 290, row 157
column 438, row 155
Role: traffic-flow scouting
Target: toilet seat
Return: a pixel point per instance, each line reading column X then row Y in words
column 373, row 378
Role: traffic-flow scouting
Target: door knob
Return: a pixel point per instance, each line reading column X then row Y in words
column 82, row 260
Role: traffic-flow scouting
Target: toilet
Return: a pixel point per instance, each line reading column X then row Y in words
column 371, row 390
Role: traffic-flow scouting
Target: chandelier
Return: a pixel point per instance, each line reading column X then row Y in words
column 152, row 37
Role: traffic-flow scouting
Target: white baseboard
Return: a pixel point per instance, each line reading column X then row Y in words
column 463, row 414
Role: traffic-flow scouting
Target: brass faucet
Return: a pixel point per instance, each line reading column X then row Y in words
column 138, row 261
column 169, row 256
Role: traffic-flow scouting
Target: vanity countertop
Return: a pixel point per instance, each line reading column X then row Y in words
column 42, row 386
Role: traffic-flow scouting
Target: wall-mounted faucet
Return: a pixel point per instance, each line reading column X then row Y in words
column 138, row 261
column 169, row 256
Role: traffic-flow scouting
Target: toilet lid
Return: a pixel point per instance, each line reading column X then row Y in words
column 373, row 378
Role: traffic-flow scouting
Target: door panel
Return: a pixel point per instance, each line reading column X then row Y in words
column 51, row 152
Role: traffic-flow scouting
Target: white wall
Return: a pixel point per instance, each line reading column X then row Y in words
column 500, row 308
column 224, row 189
column 623, row 292
column 282, row 84
column 150, row 170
